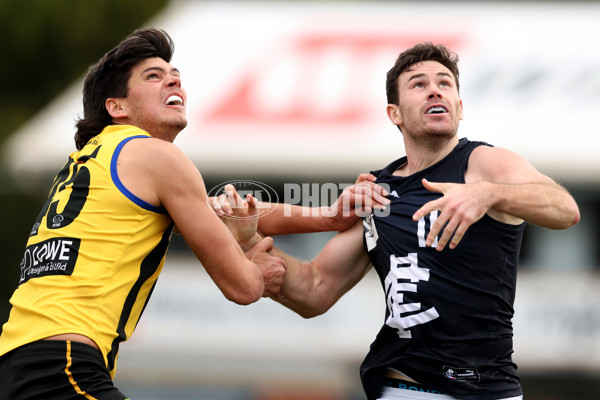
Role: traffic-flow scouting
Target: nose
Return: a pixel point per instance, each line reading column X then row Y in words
column 435, row 94
column 174, row 81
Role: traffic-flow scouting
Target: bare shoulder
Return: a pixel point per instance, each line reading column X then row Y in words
column 151, row 167
column 157, row 150
column 157, row 157
column 491, row 157
column 500, row 165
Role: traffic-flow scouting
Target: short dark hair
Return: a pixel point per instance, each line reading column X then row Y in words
column 416, row 54
column 110, row 75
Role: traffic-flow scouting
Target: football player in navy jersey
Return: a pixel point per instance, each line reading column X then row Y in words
column 446, row 247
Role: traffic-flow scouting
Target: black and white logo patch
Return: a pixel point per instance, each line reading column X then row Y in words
column 56, row 256
column 461, row 374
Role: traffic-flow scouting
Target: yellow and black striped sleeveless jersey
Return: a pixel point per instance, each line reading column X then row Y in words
column 93, row 255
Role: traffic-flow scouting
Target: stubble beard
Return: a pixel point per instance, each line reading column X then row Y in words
column 433, row 138
column 167, row 129
column 173, row 129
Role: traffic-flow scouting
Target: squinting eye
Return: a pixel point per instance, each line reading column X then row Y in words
column 152, row 76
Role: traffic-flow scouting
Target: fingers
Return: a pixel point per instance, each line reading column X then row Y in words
column 224, row 203
column 452, row 233
column 263, row 246
column 379, row 189
column 427, row 208
column 365, row 177
column 451, row 224
column 454, row 218
column 217, row 206
column 233, row 197
column 252, row 204
column 362, row 198
column 439, row 187
column 441, row 225
column 272, row 268
column 366, row 194
column 432, row 205
column 458, row 235
column 229, row 201
column 372, row 195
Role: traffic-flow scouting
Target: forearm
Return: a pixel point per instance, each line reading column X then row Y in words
column 285, row 219
column 235, row 275
column 546, row 204
column 356, row 200
column 312, row 288
column 300, row 289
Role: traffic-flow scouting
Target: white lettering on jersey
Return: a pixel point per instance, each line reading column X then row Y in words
column 403, row 269
column 421, row 229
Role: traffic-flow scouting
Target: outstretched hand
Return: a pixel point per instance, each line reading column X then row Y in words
column 238, row 214
column 460, row 207
column 356, row 201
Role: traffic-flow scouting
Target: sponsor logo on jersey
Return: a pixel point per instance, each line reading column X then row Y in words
column 56, row 256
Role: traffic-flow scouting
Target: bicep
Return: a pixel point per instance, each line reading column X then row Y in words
column 181, row 191
column 343, row 262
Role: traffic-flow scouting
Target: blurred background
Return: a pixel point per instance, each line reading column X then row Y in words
column 292, row 94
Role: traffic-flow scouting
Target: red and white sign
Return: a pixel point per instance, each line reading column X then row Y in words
column 289, row 90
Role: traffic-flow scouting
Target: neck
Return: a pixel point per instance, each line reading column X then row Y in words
column 164, row 132
column 424, row 153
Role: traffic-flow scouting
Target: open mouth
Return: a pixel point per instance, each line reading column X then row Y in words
column 436, row 110
column 174, row 100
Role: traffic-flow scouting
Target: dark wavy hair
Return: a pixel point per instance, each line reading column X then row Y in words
column 419, row 53
column 108, row 78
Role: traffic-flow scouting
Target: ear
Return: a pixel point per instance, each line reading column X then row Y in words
column 460, row 111
column 393, row 112
column 116, row 107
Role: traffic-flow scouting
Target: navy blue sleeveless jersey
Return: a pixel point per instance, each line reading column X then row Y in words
column 448, row 314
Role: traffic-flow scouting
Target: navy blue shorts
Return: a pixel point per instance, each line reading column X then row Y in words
column 56, row 370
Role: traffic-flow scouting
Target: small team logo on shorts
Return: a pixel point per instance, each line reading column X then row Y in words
column 461, row 374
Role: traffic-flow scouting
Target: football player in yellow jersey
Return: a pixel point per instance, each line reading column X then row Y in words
column 99, row 243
